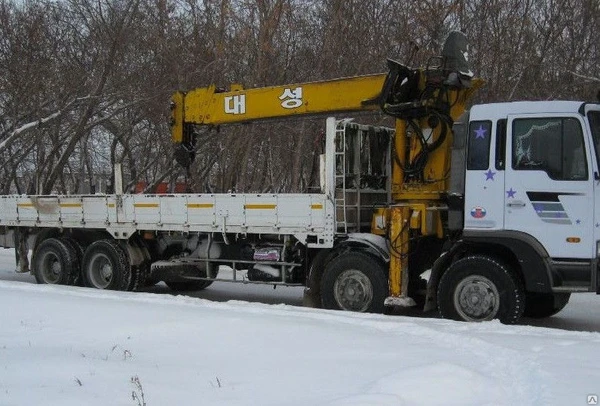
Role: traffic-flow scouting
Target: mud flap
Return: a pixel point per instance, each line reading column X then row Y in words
column 311, row 299
column 598, row 279
column 437, row 270
column 21, row 251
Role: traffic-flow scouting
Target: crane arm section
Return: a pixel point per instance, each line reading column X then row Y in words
column 210, row 106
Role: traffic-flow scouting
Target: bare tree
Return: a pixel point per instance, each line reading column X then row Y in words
column 85, row 84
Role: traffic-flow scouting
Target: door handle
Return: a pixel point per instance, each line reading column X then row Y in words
column 516, row 203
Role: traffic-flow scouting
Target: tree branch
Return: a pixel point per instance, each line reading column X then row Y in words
column 15, row 134
column 590, row 78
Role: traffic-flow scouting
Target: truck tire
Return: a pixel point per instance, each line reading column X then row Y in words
column 136, row 276
column 354, row 281
column 479, row 288
column 139, row 276
column 77, row 252
column 106, row 266
column 542, row 305
column 55, row 263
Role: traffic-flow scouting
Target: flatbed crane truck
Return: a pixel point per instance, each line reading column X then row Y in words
column 497, row 204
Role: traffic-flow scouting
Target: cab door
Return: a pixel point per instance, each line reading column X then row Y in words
column 592, row 113
column 548, row 184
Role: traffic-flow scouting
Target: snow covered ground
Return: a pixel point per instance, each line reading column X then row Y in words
column 74, row 346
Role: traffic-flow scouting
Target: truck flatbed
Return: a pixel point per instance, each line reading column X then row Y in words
column 122, row 215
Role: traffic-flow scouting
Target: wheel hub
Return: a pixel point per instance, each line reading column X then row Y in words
column 52, row 268
column 106, row 272
column 353, row 291
column 101, row 271
column 476, row 298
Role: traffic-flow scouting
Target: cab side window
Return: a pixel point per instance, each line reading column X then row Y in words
column 480, row 134
column 553, row 145
column 594, row 120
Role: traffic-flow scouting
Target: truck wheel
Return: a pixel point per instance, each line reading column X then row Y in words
column 542, row 305
column 354, row 282
column 55, row 263
column 188, row 286
column 77, row 252
column 479, row 288
column 106, row 266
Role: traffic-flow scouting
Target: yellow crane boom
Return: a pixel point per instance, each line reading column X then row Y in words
column 210, row 106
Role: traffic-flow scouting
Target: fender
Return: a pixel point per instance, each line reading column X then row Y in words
column 375, row 245
column 528, row 254
column 137, row 252
column 521, row 250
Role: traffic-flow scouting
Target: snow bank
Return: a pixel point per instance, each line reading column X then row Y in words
column 73, row 346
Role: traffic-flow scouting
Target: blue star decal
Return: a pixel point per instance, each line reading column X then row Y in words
column 511, row 193
column 480, row 132
column 578, row 221
column 489, row 175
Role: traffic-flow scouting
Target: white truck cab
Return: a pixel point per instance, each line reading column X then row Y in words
column 525, row 192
